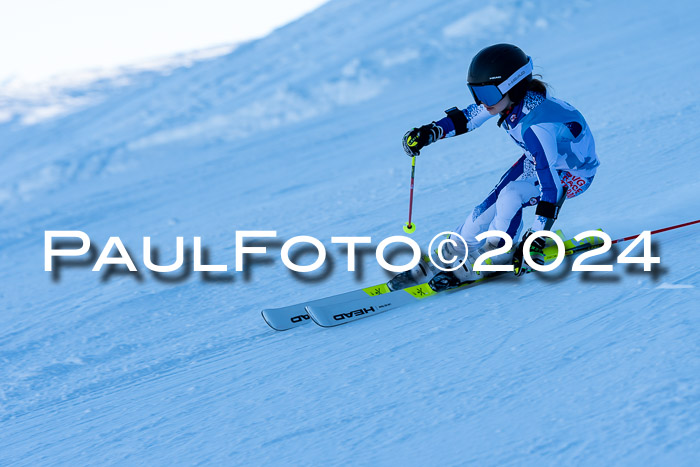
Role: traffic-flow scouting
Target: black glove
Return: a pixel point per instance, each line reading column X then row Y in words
column 418, row 138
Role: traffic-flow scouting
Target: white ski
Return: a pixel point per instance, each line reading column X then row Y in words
column 288, row 317
column 350, row 306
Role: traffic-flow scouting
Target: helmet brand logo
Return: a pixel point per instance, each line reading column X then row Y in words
column 515, row 78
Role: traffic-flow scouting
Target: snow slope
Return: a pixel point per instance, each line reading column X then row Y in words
column 299, row 132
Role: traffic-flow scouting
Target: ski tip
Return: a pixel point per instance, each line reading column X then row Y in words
column 270, row 324
column 310, row 312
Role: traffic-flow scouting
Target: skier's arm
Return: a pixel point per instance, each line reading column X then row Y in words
column 456, row 123
column 459, row 121
column 540, row 141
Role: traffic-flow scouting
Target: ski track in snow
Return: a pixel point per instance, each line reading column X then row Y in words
column 298, row 132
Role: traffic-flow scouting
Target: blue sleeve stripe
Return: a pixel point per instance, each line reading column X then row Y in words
column 548, row 185
column 447, row 126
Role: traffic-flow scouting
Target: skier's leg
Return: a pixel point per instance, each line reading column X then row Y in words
column 510, row 204
column 478, row 221
column 483, row 215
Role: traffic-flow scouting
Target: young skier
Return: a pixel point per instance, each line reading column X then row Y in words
column 559, row 152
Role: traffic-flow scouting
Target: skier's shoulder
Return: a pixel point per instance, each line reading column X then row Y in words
column 544, row 106
column 542, row 110
column 532, row 100
column 523, row 111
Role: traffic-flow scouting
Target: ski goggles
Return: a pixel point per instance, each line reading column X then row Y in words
column 492, row 93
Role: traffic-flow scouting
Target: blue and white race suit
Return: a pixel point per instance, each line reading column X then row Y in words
column 559, row 151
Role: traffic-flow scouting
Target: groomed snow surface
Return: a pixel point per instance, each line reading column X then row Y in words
column 300, row 132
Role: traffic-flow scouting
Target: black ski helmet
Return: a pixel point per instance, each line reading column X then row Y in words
column 496, row 64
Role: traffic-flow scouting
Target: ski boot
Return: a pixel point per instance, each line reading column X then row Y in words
column 418, row 275
column 427, row 270
column 446, row 280
column 465, row 274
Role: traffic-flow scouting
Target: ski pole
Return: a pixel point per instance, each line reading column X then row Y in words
column 409, row 227
column 665, row 229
